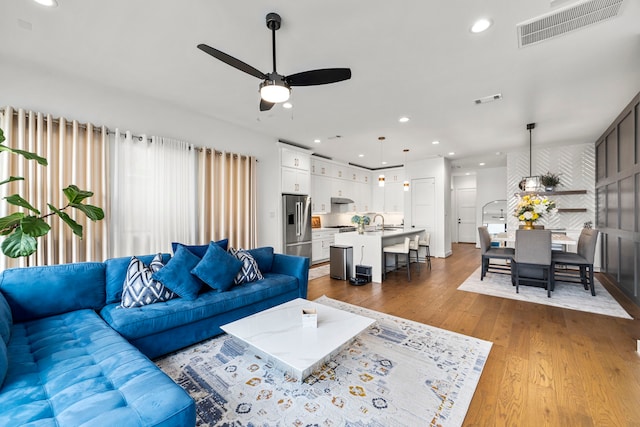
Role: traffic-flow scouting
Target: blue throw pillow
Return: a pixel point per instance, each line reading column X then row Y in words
column 200, row 250
column 264, row 258
column 176, row 275
column 217, row 268
column 249, row 271
column 140, row 288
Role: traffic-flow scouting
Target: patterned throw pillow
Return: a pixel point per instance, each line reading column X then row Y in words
column 249, row 271
column 140, row 288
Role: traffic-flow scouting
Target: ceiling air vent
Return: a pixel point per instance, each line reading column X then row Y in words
column 569, row 18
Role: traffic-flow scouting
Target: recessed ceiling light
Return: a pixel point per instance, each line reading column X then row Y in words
column 403, row 119
column 481, row 25
column 360, row 155
column 468, row 173
column 481, row 163
column 47, row 3
column 317, row 141
column 287, row 105
column 452, row 153
column 498, row 153
column 384, row 163
column 436, row 142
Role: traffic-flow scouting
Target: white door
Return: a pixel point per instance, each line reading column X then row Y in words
column 466, row 206
column 423, row 209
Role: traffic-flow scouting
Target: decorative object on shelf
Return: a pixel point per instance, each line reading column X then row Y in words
column 361, row 221
column 588, row 225
column 550, row 181
column 531, row 208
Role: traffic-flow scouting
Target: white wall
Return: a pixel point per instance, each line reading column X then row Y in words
column 491, row 184
column 27, row 86
column 439, row 169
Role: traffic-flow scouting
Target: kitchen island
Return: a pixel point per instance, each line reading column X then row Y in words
column 367, row 247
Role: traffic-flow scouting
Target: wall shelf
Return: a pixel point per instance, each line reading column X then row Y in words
column 572, row 209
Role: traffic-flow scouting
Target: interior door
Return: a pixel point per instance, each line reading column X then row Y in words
column 423, row 210
column 466, row 207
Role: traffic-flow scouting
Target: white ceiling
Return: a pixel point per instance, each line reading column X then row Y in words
column 414, row 58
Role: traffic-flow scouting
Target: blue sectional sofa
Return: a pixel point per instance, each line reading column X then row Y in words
column 70, row 355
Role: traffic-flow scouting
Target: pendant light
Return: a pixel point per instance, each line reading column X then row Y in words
column 530, row 183
column 405, row 184
column 381, row 176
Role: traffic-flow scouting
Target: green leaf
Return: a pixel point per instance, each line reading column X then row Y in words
column 19, row 201
column 7, row 222
column 76, row 195
column 19, row 244
column 1, row 136
column 75, row 227
column 26, row 154
column 94, row 213
column 34, row 226
column 11, row 179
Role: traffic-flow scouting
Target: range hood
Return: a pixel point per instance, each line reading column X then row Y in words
column 341, row 201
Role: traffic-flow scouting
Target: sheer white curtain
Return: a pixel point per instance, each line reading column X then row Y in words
column 153, row 190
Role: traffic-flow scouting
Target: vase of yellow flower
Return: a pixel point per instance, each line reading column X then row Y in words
column 531, row 208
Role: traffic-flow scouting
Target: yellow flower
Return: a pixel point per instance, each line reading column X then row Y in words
column 536, row 202
column 521, row 217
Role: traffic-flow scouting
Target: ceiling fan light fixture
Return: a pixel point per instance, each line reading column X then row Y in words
column 274, row 91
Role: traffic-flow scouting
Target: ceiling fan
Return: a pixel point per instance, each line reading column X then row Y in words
column 276, row 87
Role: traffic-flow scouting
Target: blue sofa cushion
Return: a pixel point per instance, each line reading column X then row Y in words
column 35, row 292
column 6, row 320
column 217, row 268
column 139, row 322
column 264, row 258
column 4, row 362
column 200, row 250
column 117, row 271
column 250, row 272
column 140, row 288
column 72, row 369
column 176, row 275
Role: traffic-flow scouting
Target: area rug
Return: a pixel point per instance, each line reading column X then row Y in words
column 566, row 295
column 315, row 272
column 396, row 373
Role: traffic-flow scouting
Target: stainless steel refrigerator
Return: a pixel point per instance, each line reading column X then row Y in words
column 297, row 224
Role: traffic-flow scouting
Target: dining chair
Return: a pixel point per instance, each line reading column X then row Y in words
column 488, row 252
column 424, row 243
column 397, row 249
column 414, row 246
column 533, row 258
column 583, row 259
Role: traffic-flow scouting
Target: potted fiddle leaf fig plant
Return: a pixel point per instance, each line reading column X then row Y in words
column 21, row 230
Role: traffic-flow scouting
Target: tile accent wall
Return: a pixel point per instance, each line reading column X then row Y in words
column 576, row 166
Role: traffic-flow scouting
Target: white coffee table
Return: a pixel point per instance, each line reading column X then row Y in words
column 278, row 336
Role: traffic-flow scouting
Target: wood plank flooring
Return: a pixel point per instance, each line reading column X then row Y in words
column 548, row 366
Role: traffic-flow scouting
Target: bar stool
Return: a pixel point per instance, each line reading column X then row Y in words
column 414, row 246
column 398, row 248
column 425, row 244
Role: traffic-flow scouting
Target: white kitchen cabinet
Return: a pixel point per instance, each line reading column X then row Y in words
column 321, row 245
column 393, row 197
column 295, row 175
column 295, row 159
column 320, row 194
column 295, row 181
column 362, row 197
column 321, row 167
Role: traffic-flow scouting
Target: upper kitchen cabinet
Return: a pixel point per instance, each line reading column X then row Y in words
column 389, row 198
column 295, row 170
column 321, row 167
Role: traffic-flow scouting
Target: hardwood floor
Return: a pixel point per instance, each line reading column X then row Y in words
column 548, row 366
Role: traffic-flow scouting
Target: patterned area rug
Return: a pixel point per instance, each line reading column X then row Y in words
column 316, row 272
column 566, row 295
column 397, row 373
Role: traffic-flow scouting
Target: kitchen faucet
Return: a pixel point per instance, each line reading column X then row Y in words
column 374, row 219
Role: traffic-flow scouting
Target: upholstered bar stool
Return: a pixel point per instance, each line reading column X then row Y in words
column 397, row 249
column 414, row 246
column 425, row 244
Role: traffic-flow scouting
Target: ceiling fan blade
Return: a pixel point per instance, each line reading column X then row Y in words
column 265, row 106
column 319, row 77
column 230, row 60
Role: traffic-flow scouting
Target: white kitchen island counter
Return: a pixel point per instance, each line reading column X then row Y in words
column 367, row 247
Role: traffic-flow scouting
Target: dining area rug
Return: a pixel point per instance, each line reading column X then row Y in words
column 396, row 373
column 572, row 296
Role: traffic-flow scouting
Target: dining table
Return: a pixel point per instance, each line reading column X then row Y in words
column 556, row 238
